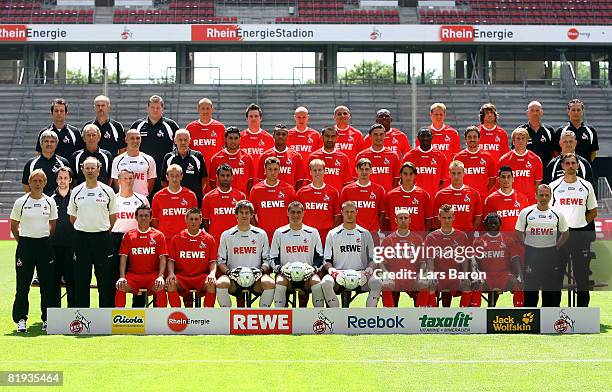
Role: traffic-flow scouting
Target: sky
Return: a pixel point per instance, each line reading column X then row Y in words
column 237, row 67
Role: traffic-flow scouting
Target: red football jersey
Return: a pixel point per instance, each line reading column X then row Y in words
column 338, row 170
column 321, row 205
column 218, row 208
column 270, row 204
column 304, row 142
column 498, row 252
column 395, row 140
column 290, row 165
column 444, row 260
column 417, row 201
column 527, row 170
column 208, row 139
column 370, row 203
column 446, row 140
column 350, row 142
column 385, row 166
column 143, row 250
column 479, row 169
column 241, row 164
column 507, row 207
column 192, row 254
column 255, row 144
column 170, row 209
column 494, row 141
column 431, row 166
column 407, row 261
column 465, row 202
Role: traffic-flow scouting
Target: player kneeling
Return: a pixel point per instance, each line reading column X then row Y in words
column 192, row 264
column 295, row 255
column 145, row 247
column 349, row 251
column 500, row 262
column 243, row 260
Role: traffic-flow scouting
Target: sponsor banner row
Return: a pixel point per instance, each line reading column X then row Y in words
column 304, row 33
column 322, row 321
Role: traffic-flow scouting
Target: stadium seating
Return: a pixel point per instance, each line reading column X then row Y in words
column 175, row 12
column 334, row 12
column 548, row 12
column 30, row 11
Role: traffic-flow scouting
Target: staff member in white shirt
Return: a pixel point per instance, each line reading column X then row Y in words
column 92, row 209
column 543, row 231
column 33, row 221
column 575, row 198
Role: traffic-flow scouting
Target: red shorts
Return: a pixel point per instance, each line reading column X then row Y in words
column 187, row 283
column 498, row 280
column 141, row 281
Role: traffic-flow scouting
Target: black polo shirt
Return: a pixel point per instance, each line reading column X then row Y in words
column 69, row 140
column 49, row 166
column 553, row 170
column 103, row 156
column 64, row 229
column 112, row 135
column 586, row 139
column 158, row 139
column 194, row 169
column 541, row 141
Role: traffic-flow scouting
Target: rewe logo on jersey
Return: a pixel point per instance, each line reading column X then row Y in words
column 261, row 322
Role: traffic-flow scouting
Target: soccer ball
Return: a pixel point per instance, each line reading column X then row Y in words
column 245, row 276
column 297, row 271
column 351, row 279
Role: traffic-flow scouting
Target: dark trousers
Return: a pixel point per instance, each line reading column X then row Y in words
column 577, row 250
column 64, row 268
column 33, row 253
column 92, row 249
column 543, row 271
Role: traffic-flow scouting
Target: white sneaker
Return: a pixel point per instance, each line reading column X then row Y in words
column 44, row 326
column 21, row 326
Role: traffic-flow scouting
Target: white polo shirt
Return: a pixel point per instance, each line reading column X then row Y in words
column 143, row 166
column 540, row 227
column 34, row 215
column 573, row 200
column 92, row 207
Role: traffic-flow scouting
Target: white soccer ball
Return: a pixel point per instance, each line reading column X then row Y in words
column 297, row 271
column 244, row 277
column 351, row 279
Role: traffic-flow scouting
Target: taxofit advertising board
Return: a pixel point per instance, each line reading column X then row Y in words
column 324, row 321
column 304, row 33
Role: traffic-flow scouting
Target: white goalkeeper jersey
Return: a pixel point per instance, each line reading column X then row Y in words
column 243, row 248
column 302, row 245
column 349, row 249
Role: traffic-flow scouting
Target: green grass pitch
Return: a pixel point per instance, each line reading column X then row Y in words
column 318, row 363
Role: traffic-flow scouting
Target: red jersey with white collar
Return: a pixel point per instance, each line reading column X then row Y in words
column 446, row 140
column 304, row 142
column 218, row 208
column 350, row 142
column 527, row 169
column 241, row 164
column 395, row 140
column 432, row 167
column 255, row 144
column 494, row 141
column 479, row 169
column 370, row 203
column 208, row 139
column 416, row 201
column 291, row 165
column 507, row 206
column 385, row 166
column 270, row 204
column 465, row 202
column 338, row 170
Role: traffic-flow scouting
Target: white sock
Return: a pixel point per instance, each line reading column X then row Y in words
column 374, row 294
column 327, row 286
column 280, row 296
column 223, row 298
column 318, row 300
column 266, row 298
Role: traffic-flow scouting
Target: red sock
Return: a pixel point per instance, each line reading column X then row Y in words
column 174, row 299
column 161, row 300
column 476, row 298
column 387, row 299
column 209, row 299
column 120, row 299
column 422, row 299
column 518, row 298
column 433, row 300
column 466, row 297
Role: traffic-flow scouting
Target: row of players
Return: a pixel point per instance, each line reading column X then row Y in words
column 97, row 206
column 205, row 144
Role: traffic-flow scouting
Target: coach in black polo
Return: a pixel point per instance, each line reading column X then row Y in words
column 157, row 133
column 112, row 132
column 48, row 161
column 69, row 138
column 541, row 135
column 195, row 177
column 91, row 136
column 586, row 136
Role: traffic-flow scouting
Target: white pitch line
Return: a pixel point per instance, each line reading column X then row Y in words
column 316, row 361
